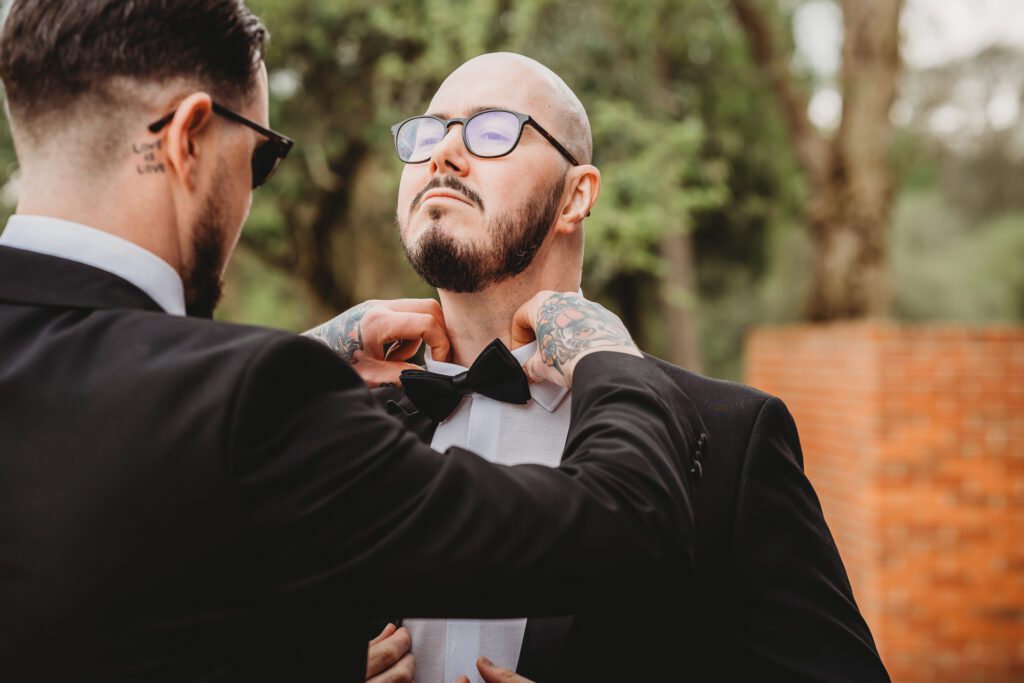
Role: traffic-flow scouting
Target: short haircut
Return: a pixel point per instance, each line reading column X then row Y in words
column 56, row 53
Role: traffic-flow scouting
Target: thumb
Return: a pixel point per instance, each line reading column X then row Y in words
column 523, row 321
column 492, row 673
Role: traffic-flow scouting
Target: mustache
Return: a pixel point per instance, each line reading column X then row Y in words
column 447, row 182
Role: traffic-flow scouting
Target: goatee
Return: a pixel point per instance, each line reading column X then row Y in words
column 515, row 238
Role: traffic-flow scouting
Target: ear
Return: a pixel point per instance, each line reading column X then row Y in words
column 183, row 148
column 584, row 187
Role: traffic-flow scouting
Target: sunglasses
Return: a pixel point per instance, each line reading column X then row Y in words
column 267, row 156
column 487, row 134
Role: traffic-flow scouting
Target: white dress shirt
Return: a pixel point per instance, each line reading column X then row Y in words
column 99, row 249
column 508, row 434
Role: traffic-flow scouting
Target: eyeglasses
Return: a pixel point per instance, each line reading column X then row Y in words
column 487, row 134
column 266, row 157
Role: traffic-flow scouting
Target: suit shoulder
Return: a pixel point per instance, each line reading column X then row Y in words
column 717, row 394
column 218, row 354
column 181, row 335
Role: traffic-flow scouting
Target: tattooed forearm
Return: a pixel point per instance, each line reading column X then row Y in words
column 568, row 325
column 344, row 334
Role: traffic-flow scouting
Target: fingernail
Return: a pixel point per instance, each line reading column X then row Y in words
column 487, row 662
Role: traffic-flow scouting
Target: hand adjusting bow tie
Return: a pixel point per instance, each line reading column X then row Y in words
column 495, row 374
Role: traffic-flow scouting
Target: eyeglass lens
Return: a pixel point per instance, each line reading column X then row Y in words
column 487, row 134
column 265, row 160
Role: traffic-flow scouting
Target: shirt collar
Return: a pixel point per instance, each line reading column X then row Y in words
column 547, row 394
column 99, row 249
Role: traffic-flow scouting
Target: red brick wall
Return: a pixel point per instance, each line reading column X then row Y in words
column 914, row 440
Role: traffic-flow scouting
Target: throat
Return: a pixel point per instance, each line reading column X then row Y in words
column 475, row 320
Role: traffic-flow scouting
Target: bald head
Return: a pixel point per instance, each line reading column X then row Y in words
column 517, row 82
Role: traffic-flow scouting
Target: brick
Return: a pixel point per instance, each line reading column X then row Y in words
column 914, row 440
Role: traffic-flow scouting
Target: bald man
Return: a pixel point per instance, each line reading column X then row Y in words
column 496, row 185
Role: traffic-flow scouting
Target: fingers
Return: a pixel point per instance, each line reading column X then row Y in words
column 402, row 349
column 491, row 673
column 538, row 371
column 386, row 652
column 402, row 672
column 377, row 372
column 390, row 321
column 388, row 630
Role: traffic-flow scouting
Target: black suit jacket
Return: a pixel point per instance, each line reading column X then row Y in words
column 188, row 500
column 771, row 600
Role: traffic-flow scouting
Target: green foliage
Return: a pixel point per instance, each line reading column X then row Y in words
column 343, row 72
column 685, row 134
column 946, row 268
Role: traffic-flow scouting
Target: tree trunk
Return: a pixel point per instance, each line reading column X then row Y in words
column 679, row 301
column 850, row 177
column 679, row 285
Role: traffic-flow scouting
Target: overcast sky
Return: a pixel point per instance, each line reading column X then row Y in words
column 934, row 32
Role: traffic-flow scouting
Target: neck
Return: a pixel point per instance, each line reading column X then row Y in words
column 123, row 209
column 475, row 320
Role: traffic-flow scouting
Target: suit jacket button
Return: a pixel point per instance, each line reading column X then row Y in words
column 697, row 470
column 702, row 442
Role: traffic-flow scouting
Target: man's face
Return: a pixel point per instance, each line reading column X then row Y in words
column 224, row 205
column 468, row 222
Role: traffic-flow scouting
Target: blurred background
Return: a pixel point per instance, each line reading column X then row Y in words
column 753, row 172
column 767, row 164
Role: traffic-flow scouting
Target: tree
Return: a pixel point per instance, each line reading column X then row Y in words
column 354, row 67
column 849, row 175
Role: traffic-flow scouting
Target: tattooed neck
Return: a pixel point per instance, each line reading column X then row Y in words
column 343, row 334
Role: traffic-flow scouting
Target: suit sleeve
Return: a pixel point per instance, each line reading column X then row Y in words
column 338, row 503
column 798, row 613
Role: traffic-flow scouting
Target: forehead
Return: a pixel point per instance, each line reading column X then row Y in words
column 487, row 84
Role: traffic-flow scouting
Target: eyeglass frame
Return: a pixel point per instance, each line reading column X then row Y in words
column 283, row 143
column 524, row 120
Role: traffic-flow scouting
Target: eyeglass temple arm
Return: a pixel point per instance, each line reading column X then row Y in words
column 558, row 145
column 551, row 138
column 157, row 126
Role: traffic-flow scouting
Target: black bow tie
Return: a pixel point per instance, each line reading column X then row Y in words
column 495, row 374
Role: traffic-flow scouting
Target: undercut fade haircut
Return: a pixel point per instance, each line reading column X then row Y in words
column 55, row 53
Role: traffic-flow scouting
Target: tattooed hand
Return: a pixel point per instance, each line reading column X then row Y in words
column 376, row 337
column 567, row 328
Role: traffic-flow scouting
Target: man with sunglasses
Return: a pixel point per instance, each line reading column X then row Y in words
column 183, row 499
column 496, row 185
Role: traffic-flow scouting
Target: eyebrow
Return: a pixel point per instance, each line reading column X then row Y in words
column 471, row 112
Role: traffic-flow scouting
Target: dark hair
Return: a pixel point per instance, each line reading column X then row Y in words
column 55, row 52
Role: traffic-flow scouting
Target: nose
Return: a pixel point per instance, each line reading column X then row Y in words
column 450, row 155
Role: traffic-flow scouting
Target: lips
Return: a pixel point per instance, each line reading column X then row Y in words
column 445, row 194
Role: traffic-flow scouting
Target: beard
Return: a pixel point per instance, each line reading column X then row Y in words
column 204, row 282
column 515, row 238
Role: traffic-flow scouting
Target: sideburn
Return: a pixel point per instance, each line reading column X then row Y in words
column 204, row 283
